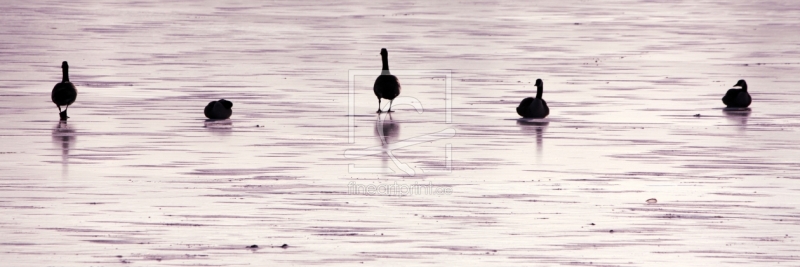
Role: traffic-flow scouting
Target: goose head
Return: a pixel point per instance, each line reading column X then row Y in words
column 225, row 103
column 384, row 52
column 742, row 84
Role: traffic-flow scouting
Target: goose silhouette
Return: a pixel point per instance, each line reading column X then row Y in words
column 535, row 108
column 386, row 85
column 218, row 110
column 737, row 98
column 64, row 93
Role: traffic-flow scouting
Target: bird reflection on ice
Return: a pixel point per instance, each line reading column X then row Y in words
column 64, row 138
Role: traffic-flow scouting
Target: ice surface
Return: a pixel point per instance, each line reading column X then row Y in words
column 137, row 175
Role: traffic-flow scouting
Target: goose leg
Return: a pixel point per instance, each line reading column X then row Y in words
column 379, row 106
column 390, row 105
column 64, row 113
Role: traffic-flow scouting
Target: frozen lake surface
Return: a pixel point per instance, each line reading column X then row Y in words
column 139, row 177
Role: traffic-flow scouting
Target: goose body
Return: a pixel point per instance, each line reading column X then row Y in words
column 386, row 85
column 534, row 108
column 218, row 110
column 64, row 93
column 737, row 98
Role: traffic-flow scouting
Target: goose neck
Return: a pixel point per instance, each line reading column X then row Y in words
column 385, row 69
column 65, row 74
column 539, row 91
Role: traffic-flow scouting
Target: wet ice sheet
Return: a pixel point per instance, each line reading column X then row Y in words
column 138, row 176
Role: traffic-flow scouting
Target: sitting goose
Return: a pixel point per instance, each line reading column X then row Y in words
column 535, row 108
column 64, row 93
column 218, row 110
column 386, row 85
column 737, row 98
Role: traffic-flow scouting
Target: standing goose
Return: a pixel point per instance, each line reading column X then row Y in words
column 64, row 93
column 386, row 85
column 534, row 107
column 737, row 98
column 218, row 110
